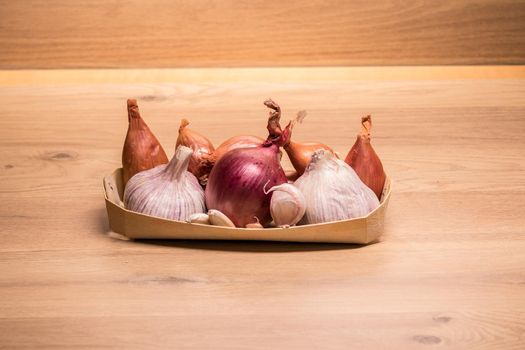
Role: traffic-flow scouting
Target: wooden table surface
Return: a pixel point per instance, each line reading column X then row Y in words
column 449, row 271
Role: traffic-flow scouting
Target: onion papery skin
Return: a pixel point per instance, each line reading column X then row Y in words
column 244, row 141
column 237, row 182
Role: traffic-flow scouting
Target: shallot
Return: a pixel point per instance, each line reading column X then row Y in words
column 142, row 150
column 200, row 164
column 364, row 160
column 301, row 153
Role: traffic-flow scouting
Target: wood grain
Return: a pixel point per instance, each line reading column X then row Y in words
column 448, row 271
column 274, row 75
column 164, row 33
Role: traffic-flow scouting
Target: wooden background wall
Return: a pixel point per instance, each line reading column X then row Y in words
column 175, row 33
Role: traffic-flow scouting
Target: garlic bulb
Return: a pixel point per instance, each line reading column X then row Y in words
column 333, row 191
column 287, row 205
column 167, row 191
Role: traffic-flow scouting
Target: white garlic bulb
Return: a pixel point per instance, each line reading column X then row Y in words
column 287, row 205
column 168, row 191
column 333, row 191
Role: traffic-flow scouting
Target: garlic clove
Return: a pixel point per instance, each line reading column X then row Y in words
column 255, row 224
column 199, row 218
column 219, row 219
column 287, row 205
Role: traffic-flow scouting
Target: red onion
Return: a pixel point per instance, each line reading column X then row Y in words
column 204, row 154
column 237, row 181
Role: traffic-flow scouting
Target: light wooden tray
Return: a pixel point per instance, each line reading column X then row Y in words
column 134, row 225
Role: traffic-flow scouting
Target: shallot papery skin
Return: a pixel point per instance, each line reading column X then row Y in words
column 200, row 164
column 364, row 160
column 237, row 181
column 301, row 153
column 142, row 150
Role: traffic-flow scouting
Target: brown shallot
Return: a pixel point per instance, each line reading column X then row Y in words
column 200, row 164
column 301, row 153
column 364, row 160
column 142, row 150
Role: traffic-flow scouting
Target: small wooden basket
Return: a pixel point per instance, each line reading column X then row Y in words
column 133, row 225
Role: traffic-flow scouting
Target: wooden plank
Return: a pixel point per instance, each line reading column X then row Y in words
column 276, row 75
column 163, row 33
column 448, row 271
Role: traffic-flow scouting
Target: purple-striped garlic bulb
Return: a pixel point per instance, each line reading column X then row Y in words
column 333, row 191
column 168, row 191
